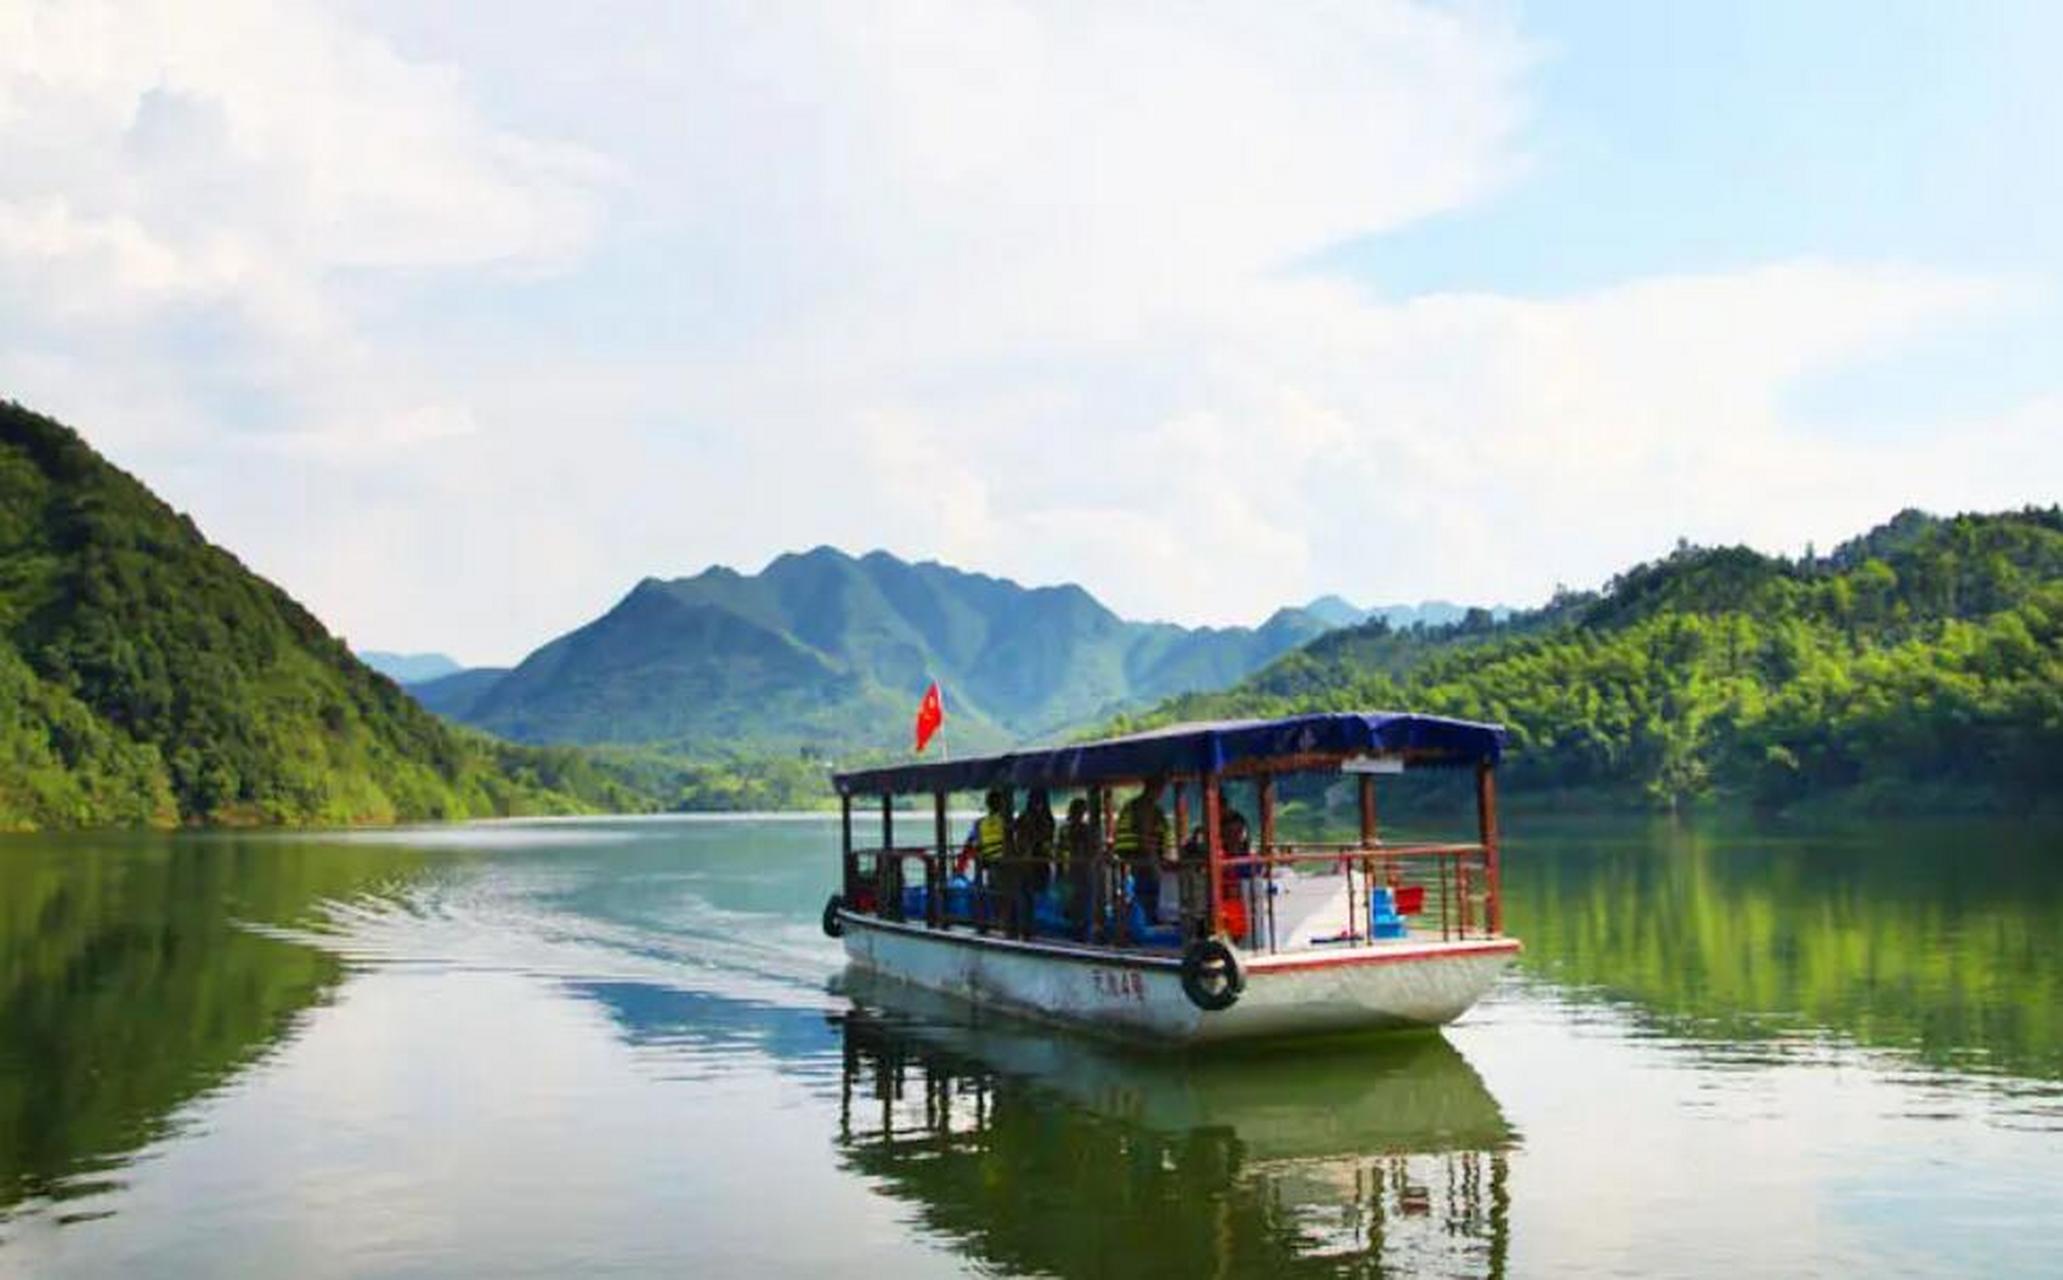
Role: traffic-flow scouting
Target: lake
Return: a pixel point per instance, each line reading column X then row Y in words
column 623, row 1047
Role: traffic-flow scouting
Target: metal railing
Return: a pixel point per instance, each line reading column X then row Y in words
column 1452, row 883
column 1448, row 889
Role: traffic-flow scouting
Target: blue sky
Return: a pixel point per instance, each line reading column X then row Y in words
column 458, row 327
column 1680, row 137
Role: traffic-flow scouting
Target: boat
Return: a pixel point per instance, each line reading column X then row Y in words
column 1280, row 939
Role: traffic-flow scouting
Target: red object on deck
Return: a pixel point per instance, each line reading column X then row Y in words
column 1410, row 899
column 931, row 713
column 1232, row 914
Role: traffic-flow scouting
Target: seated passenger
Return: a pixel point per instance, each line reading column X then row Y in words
column 1237, row 843
column 1141, row 842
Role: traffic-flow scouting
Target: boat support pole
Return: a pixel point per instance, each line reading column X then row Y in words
column 851, row 870
column 935, row 874
column 1486, row 825
column 1265, row 798
column 1214, row 842
column 888, row 872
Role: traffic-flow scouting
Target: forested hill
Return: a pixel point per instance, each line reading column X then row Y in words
column 147, row 677
column 831, row 651
column 1918, row 665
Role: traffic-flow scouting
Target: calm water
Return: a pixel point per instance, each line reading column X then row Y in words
column 622, row 1047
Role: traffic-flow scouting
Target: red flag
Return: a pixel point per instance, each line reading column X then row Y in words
column 931, row 713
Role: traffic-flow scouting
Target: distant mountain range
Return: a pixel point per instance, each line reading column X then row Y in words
column 832, row 650
column 410, row 668
column 1335, row 611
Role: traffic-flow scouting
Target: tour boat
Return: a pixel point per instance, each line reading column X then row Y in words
column 1284, row 938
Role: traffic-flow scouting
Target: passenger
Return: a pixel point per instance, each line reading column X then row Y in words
column 1034, row 845
column 988, row 841
column 1079, row 850
column 1233, row 891
column 1234, row 837
column 1141, row 842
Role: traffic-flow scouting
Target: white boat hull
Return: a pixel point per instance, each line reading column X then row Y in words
column 1139, row 996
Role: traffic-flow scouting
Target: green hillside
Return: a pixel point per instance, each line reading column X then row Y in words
column 832, row 650
column 147, row 677
column 1920, row 665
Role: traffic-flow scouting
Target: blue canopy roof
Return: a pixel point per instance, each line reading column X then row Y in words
column 1195, row 749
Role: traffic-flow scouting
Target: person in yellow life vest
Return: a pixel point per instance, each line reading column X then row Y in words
column 990, row 834
column 1141, row 841
column 987, row 847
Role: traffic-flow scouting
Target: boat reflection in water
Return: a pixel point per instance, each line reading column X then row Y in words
column 1033, row 1152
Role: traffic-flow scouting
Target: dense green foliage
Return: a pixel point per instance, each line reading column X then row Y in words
column 725, row 783
column 831, row 650
column 1919, row 665
column 147, row 677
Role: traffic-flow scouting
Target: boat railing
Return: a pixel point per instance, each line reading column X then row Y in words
column 1442, row 890
column 1433, row 889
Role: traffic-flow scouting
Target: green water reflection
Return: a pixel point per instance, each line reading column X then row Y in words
column 682, row 976
column 130, row 982
column 1943, row 940
column 1042, row 1156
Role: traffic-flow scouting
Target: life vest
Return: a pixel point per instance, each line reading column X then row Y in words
column 1130, row 842
column 993, row 834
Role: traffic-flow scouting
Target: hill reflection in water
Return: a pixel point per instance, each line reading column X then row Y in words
column 133, row 980
column 1044, row 1154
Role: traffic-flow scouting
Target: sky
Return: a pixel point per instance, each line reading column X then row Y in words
column 456, row 321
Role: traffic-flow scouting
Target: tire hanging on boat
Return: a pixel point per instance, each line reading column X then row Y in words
column 1211, row 975
column 833, row 926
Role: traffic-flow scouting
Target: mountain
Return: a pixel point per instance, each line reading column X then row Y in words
column 148, row 678
column 409, row 668
column 453, row 695
column 1337, row 611
column 832, row 650
column 1919, row 665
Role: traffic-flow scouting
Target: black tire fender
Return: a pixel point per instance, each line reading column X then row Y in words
column 833, row 926
column 1212, row 977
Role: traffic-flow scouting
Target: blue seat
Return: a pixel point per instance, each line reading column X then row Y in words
column 916, row 898
column 1383, row 920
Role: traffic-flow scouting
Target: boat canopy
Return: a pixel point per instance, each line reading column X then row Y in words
column 1195, row 749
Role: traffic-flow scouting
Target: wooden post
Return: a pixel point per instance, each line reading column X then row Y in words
column 845, row 846
column 1099, row 869
column 1264, row 797
column 935, row 875
column 888, row 869
column 1367, row 811
column 1009, row 871
column 1214, row 857
column 1486, row 826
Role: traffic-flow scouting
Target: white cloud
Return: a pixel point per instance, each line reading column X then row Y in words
column 459, row 327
